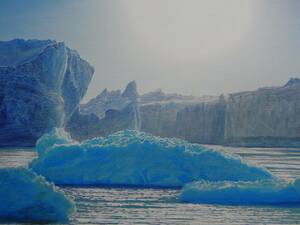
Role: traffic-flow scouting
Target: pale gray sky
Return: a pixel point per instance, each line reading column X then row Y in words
column 187, row 46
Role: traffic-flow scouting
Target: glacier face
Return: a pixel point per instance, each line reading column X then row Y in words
column 24, row 196
column 266, row 117
column 109, row 112
column 41, row 84
column 135, row 158
column 160, row 118
column 163, row 114
column 194, row 121
column 203, row 122
column 270, row 191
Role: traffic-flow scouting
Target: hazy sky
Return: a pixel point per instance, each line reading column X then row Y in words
column 186, row 46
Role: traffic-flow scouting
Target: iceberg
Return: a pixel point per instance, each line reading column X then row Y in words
column 133, row 158
column 41, row 85
column 109, row 112
column 24, row 196
column 110, row 100
column 269, row 191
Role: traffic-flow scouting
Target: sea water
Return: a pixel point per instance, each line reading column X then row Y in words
column 102, row 205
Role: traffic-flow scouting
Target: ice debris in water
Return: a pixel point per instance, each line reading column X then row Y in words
column 133, row 158
column 269, row 191
column 24, row 196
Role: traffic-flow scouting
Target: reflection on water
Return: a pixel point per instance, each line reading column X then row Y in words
column 14, row 157
column 159, row 206
column 283, row 162
column 129, row 206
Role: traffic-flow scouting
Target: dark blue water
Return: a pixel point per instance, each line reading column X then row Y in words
column 160, row 206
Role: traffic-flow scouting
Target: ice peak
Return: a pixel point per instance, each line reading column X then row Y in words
column 130, row 91
column 293, row 81
column 103, row 93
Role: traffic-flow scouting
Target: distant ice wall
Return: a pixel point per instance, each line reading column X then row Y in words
column 265, row 117
column 203, row 122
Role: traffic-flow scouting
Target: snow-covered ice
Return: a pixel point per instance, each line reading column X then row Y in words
column 269, row 191
column 136, row 158
column 24, row 196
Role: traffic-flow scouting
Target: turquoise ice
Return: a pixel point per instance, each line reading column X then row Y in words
column 26, row 197
column 132, row 158
column 270, row 191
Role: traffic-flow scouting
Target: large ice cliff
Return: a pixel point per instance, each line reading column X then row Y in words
column 41, row 85
column 266, row 117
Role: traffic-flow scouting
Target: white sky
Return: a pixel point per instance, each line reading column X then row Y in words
column 185, row 46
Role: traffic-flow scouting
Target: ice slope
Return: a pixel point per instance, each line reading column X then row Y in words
column 136, row 158
column 41, row 84
column 270, row 191
column 24, row 196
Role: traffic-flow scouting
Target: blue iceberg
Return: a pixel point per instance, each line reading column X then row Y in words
column 41, row 86
column 135, row 158
column 24, row 196
column 270, row 191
